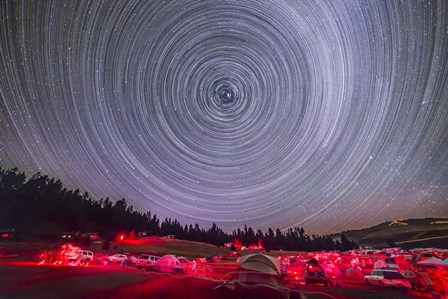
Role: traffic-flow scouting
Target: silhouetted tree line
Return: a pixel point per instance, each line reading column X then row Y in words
column 41, row 207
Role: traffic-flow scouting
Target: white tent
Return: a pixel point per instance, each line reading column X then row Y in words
column 442, row 263
column 261, row 263
column 379, row 264
column 387, row 263
column 168, row 263
column 430, row 261
column 331, row 269
column 258, row 276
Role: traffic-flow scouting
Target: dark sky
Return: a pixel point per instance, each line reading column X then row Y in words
column 327, row 115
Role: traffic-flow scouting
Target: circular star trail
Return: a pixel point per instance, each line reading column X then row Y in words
column 323, row 114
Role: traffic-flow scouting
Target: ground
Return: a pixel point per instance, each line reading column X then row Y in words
column 29, row 280
column 22, row 277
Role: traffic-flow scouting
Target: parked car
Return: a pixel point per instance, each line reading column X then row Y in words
column 118, row 258
column 85, row 257
column 314, row 273
column 146, row 261
column 387, row 278
column 78, row 257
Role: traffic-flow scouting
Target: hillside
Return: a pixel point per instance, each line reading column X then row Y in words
column 411, row 233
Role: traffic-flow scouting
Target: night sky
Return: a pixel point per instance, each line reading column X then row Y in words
column 328, row 115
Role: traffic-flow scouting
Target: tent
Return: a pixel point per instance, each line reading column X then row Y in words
column 314, row 273
column 379, row 264
column 168, row 263
column 386, row 263
column 258, row 276
column 331, row 270
column 261, row 263
column 441, row 263
column 431, row 261
column 444, row 263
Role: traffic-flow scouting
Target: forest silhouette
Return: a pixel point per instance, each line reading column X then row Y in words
column 41, row 208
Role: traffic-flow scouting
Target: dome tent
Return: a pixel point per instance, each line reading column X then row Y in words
column 258, row 276
column 431, row 261
column 261, row 263
column 168, row 263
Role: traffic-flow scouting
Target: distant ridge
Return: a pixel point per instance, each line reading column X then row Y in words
column 410, row 233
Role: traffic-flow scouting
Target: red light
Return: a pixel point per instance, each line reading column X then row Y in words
column 4, row 236
column 121, row 238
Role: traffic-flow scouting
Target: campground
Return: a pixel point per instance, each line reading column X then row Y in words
column 22, row 276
